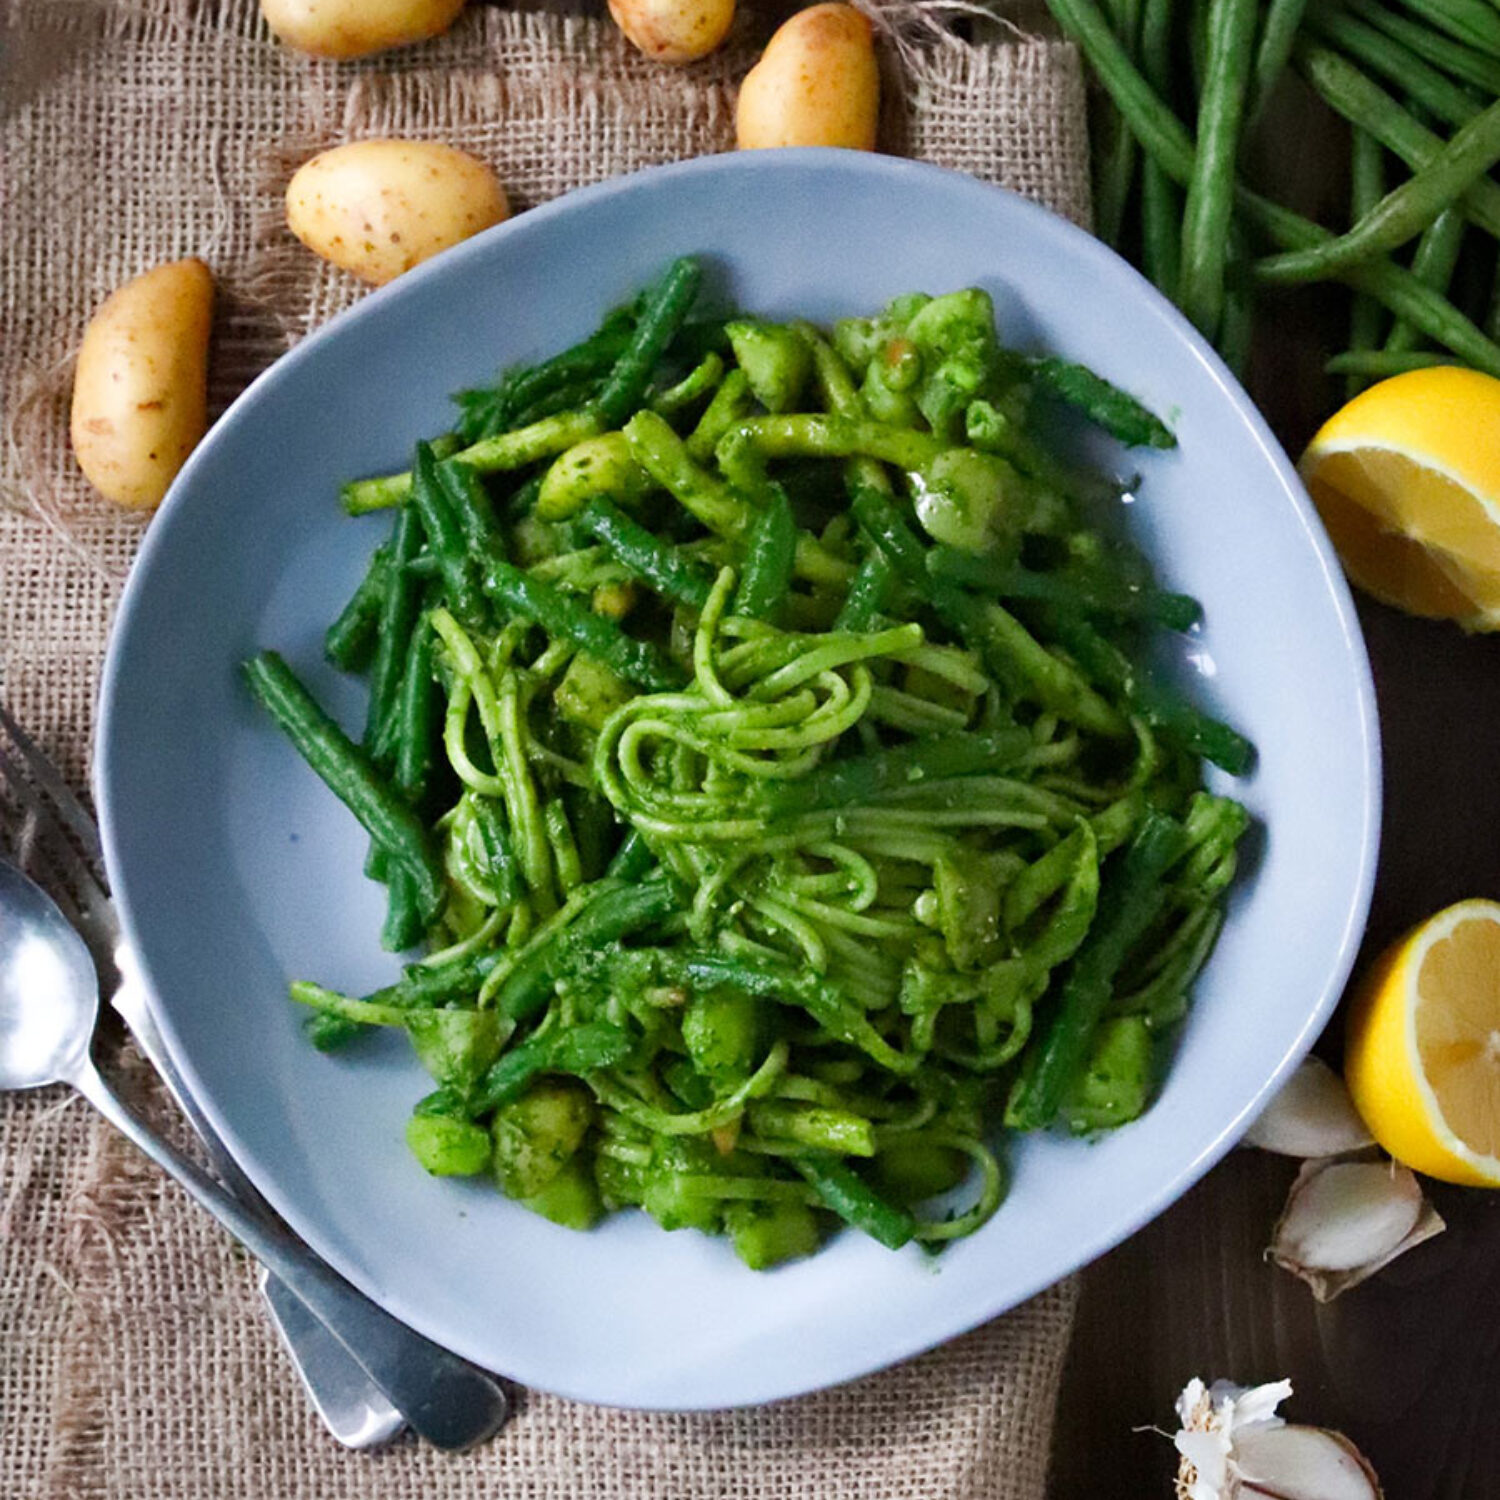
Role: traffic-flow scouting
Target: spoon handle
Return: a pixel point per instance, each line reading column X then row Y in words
column 448, row 1401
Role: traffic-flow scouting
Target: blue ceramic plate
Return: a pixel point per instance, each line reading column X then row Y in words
column 235, row 870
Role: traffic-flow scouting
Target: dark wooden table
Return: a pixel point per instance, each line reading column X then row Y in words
column 1407, row 1364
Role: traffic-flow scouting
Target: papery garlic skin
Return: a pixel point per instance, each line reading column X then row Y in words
column 1211, row 1416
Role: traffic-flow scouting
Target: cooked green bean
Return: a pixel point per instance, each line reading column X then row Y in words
column 1159, row 707
column 666, row 308
column 1117, row 412
column 660, row 566
column 613, row 912
column 769, row 552
column 350, row 641
column 348, row 774
column 1132, row 896
column 1011, row 653
column 432, row 501
column 1077, row 587
column 515, row 449
column 855, row 1201
column 867, row 594
column 418, row 718
column 490, row 410
column 562, row 615
column 699, row 382
column 399, row 605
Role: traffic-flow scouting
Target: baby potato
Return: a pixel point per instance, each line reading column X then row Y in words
column 377, row 208
column 816, row 84
column 674, row 31
column 351, row 28
column 140, row 393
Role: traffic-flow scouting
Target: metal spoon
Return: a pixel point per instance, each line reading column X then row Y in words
column 49, row 1007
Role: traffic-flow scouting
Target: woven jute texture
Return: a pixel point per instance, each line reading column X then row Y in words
column 134, row 1360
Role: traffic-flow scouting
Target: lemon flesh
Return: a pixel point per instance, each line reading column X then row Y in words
column 1422, row 1055
column 1407, row 480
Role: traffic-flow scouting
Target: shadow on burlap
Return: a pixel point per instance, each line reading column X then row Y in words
column 134, row 1361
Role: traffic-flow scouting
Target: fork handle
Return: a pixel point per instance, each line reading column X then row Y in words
column 449, row 1402
column 353, row 1410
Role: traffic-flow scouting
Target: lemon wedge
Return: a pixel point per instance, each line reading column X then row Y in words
column 1422, row 1054
column 1406, row 477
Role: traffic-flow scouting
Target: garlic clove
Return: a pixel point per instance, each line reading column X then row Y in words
column 1312, row 1116
column 1303, row 1463
column 1343, row 1221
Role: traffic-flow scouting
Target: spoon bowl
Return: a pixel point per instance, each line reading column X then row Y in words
column 49, row 991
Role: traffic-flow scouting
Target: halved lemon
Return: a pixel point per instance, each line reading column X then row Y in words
column 1406, row 477
column 1422, row 1055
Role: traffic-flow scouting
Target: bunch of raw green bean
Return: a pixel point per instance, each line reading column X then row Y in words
column 760, row 744
column 1187, row 83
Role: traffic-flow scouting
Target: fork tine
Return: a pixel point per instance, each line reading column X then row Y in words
column 38, row 846
column 47, row 776
column 44, row 818
column 56, row 832
column 33, row 859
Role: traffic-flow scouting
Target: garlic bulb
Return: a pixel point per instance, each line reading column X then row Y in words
column 1311, row 1116
column 1233, row 1446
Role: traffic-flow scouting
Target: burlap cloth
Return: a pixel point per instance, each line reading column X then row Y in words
column 134, row 1360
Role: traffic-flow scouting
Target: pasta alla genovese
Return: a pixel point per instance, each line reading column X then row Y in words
column 762, row 750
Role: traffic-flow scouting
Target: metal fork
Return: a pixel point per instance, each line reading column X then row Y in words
column 49, row 833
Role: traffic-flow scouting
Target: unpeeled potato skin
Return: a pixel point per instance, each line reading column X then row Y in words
column 378, row 208
column 674, row 31
column 816, row 84
column 140, row 392
column 354, row 28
